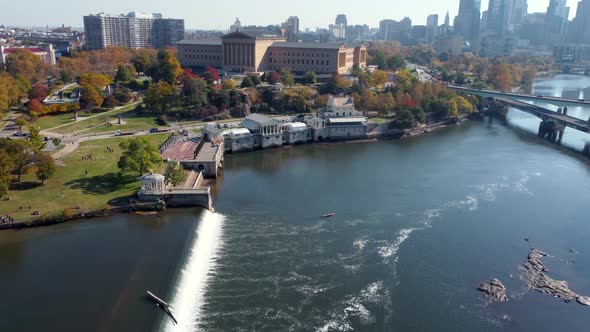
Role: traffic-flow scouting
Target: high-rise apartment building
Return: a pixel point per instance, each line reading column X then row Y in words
column 467, row 22
column 134, row 30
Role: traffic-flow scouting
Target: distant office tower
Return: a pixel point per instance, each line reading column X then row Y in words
column 499, row 16
column 520, row 10
column 468, row 20
column 341, row 20
column 557, row 16
column 394, row 30
column 431, row 28
column 236, row 26
column 447, row 20
column 579, row 31
column 134, row 30
column 292, row 28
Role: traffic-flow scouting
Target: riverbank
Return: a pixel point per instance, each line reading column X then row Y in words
column 56, row 219
column 98, row 187
column 86, row 180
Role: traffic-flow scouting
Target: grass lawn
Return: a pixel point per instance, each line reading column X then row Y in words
column 71, row 187
column 131, row 122
column 68, row 92
column 97, row 120
column 50, row 121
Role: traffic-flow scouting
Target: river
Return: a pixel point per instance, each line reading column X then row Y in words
column 419, row 224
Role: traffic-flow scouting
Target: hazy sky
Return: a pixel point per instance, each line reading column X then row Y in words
column 220, row 14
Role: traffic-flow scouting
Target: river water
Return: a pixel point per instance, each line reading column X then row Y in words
column 419, row 224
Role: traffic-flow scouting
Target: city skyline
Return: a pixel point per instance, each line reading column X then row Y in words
column 325, row 13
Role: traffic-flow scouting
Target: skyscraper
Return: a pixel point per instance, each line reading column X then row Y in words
column 134, row 30
column 519, row 11
column 339, row 29
column 579, row 31
column 467, row 22
column 557, row 16
column 341, row 20
column 499, row 16
column 431, row 27
column 292, row 27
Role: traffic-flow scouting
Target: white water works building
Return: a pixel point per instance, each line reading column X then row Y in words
column 338, row 121
column 238, row 139
column 267, row 132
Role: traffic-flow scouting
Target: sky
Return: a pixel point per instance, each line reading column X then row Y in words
column 220, row 14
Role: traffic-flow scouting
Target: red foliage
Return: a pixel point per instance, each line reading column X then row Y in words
column 407, row 102
column 213, row 72
column 38, row 92
column 186, row 75
column 36, row 106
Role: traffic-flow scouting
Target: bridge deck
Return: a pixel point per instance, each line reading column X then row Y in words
column 561, row 102
column 547, row 115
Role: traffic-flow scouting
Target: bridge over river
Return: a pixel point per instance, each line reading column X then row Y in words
column 553, row 123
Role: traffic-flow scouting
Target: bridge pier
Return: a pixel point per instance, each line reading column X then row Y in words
column 586, row 151
column 497, row 109
column 551, row 131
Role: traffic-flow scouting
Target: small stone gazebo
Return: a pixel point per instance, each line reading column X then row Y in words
column 152, row 184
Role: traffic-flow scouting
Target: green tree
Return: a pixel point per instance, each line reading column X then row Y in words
column 396, row 62
column 247, row 82
column 45, row 167
column 6, row 167
column 20, row 153
column 310, row 77
column 123, row 74
column 256, row 80
column 379, row 60
column 228, row 84
column 160, row 97
column 403, row 120
column 20, row 122
column 143, row 59
column 403, row 80
column 35, row 137
column 195, row 91
column 170, row 68
column 287, row 76
column 139, row 155
column 175, row 174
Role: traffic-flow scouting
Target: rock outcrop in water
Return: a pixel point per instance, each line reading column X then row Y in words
column 537, row 278
column 494, row 290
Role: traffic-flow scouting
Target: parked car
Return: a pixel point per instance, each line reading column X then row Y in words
column 118, row 133
column 153, row 130
column 21, row 134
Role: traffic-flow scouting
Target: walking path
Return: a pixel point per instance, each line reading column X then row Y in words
column 68, row 148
